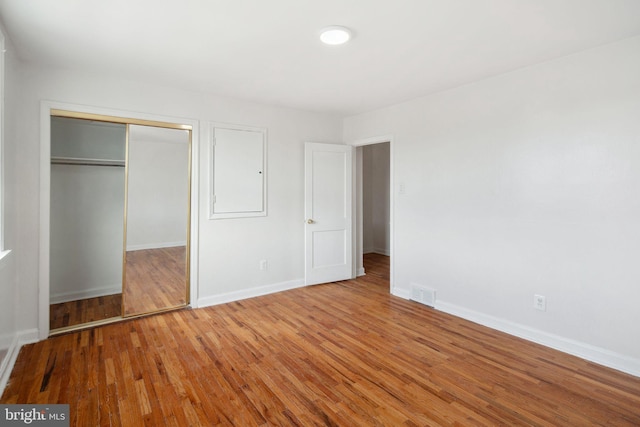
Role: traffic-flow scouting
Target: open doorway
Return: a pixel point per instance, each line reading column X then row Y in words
column 374, row 209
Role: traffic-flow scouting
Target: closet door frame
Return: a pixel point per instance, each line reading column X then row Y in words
column 52, row 108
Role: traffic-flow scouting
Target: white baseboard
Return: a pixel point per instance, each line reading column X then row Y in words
column 360, row 272
column 155, row 246
column 585, row 351
column 249, row 293
column 8, row 361
column 402, row 293
column 15, row 343
column 28, row 336
column 379, row 251
column 84, row 294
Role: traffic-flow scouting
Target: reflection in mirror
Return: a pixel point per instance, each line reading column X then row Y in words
column 86, row 217
column 157, row 220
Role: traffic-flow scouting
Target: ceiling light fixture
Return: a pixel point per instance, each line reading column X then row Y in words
column 334, row 35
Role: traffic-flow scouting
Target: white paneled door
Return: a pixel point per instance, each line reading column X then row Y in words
column 328, row 206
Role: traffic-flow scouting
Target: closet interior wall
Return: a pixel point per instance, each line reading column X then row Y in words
column 87, row 208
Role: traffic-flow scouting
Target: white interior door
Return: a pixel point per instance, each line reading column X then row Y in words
column 328, row 206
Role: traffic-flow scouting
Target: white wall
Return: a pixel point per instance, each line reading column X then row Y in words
column 9, row 330
column 526, row 183
column 87, row 211
column 87, row 139
column 367, row 200
column 87, row 217
column 230, row 250
column 375, row 189
column 158, row 183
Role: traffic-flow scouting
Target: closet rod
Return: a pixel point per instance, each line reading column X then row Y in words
column 86, row 162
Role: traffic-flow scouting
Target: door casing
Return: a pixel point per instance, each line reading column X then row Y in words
column 357, row 201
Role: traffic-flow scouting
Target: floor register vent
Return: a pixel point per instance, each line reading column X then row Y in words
column 423, row 295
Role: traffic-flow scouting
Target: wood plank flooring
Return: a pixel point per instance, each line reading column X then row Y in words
column 339, row 354
column 376, row 265
column 83, row 311
column 155, row 280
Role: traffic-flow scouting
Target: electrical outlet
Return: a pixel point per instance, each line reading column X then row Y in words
column 540, row 302
column 263, row 264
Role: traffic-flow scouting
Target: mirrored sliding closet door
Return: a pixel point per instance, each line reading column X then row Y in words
column 119, row 218
column 156, row 257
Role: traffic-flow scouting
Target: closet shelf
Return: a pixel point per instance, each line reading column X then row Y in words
column 86, row 162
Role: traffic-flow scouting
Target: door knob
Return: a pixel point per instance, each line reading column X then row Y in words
column 310, row 221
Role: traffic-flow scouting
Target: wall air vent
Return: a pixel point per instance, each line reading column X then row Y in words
column 423, row 295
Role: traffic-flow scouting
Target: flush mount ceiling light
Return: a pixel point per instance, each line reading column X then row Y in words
column 334, row 35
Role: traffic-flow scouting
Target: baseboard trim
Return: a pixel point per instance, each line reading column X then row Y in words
column 91, row 293
column 28, row 336
column 601, row 356
column 379, row 251
column 7, row 363
column 249, row 293
column 585, row 351
column 19, row 339
column 155, row 246
column 402, row 293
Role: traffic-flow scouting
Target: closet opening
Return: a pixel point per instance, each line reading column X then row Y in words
column 119, row 218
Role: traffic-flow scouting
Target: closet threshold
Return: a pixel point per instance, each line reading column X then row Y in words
column 82, row 326
column 110, row 320
column 86, row 162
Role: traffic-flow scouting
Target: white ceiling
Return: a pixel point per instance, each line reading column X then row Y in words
column 268, row 50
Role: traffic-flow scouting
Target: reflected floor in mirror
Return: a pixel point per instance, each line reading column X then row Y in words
column 79, row 312
column 155, row 280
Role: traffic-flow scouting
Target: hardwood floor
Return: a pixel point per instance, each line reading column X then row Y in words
column 155, row 280
column 339, row 354
column 376, row 264
column 83, row 311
